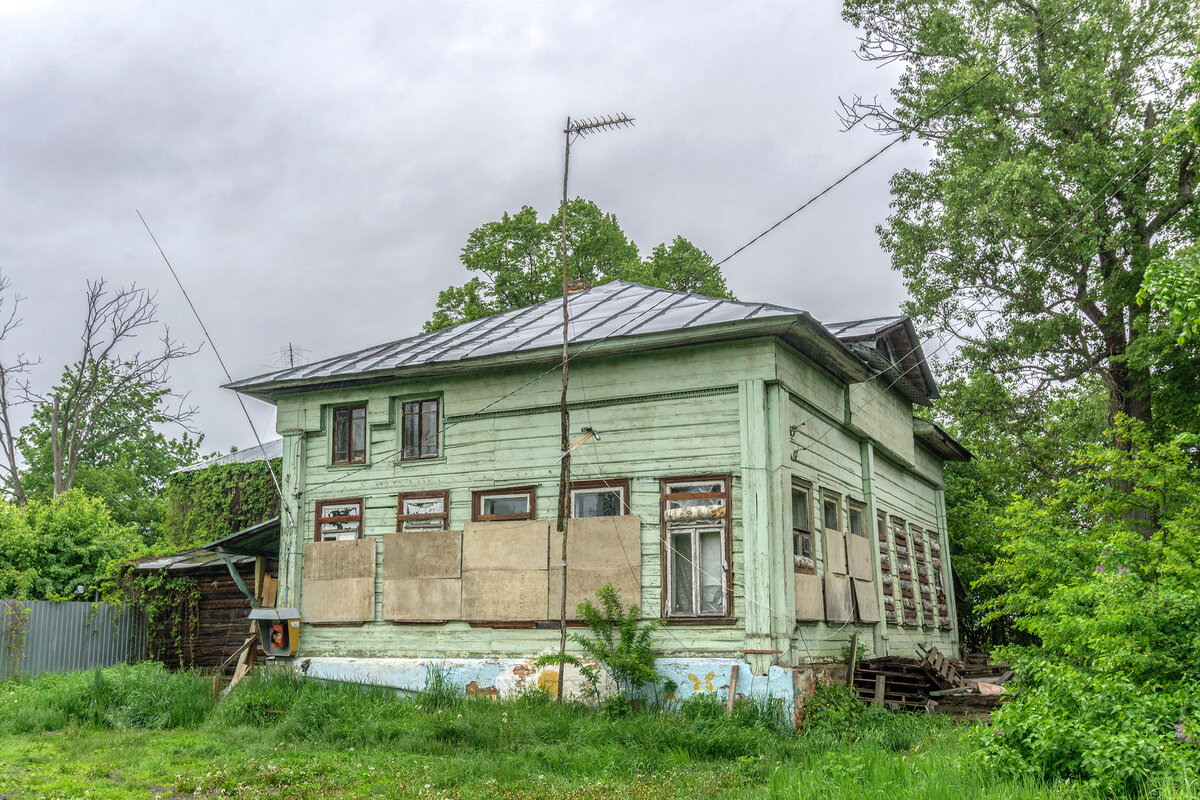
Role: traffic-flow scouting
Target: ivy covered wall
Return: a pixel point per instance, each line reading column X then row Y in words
column 206, row 504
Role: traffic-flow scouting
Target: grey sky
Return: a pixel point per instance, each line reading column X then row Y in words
column 313, row 169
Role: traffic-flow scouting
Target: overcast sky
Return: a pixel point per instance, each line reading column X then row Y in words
column 313, row 169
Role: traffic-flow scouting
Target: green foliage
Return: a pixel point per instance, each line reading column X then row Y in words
column 620, row 644
column 1054, row 182
column 517, row 262
column 49, row 547
column 1104, row 729
column 1173, row 286
column 128, row 696
column 172, row 607
column 1103, row 571
column 206, row 504
column 126, row 459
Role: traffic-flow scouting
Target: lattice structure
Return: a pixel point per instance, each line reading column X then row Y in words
column 885, row 570
column 928, row 612
column 904, row 573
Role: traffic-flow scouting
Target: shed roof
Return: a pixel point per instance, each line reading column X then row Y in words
column 617, row 310
column 270, row 450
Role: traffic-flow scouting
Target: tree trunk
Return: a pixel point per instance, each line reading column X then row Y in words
column 56, row 447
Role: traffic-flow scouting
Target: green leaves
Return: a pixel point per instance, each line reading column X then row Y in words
column 1173, row 286
column 518, row 263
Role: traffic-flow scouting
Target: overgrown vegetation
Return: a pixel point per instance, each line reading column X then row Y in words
column 282, row 737
column 206, row 504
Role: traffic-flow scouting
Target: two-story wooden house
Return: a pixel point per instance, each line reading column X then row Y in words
column 758, row 481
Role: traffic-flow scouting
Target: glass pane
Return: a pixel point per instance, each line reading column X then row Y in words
column 412, row 432
column 429, row 407
column 681, row 574
column 596, row 502
column 341, row 435
column 358, row 438
column 800, row 518
column 881, row 525
column 856, row 521
column 712, row 578
column 422, row 525
column 341, row 510
column 706, row 487
column 427, row 505
column 429, row 433
column 338, row 531
column 506, row 504
column 831, row 515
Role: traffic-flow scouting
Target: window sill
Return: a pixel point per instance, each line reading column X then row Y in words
column 700, row 621
column 359, row 465
column 335, row 624
column 803, row 571
column 398, row 462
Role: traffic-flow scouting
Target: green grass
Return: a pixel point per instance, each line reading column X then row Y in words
column 139, row 732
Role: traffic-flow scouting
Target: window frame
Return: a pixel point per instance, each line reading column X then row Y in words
column 333, row 424
column 828, row 495
column 620, row 484
column 726, row 616
column 478, row 496
column 798, row 532
column 856, row 506
column 401, row 517
column 340, row 501
column 421, row 433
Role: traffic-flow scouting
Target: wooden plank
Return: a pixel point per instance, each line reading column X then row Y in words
column 733, row 680
column 339, row 582
column 839, row 606
column 880, row 689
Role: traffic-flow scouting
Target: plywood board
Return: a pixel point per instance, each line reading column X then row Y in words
column 600, row 550
column 835, row 552
column 810, row 597
column 504, row 594
column 858, row 557
column 839, row 605
column 339, row 581
column 422, row 599
column 583, row 583
column 519, row 545
column 426, row 554
column 865, row 600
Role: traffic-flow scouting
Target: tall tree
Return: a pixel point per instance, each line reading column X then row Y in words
column 517, row 262
column 1054, row 180
column 13, row 372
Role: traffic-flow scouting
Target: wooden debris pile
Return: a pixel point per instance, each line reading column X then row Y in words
column 933, row 683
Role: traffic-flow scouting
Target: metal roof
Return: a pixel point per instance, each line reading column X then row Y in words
column 257, row 540
column 863, row 328
column 189, row 559
column 270, row 450
column 612, row 310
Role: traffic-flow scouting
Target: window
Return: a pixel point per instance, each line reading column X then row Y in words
column 502, row 504
column 420, row 429
column 831, row 505
column 600, row 498
column 339, row 520
column 856, row 519
column 802, row 537
column 350, row 435
column 695, row 535
column 423, row 511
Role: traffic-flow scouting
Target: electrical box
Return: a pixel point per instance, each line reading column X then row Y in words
column 278, row 630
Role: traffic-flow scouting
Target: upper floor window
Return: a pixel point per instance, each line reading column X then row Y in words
column 350, row 435
column 423, row 511
column 831, row 508
column 696, row 538
column 339, row 520
column 420, row 429
column 606, row 498
column 855, row 518
column 503, row 504
column 802, row 534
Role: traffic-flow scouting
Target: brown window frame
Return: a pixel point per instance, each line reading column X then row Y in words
column 341, row 501
column 664, row 546
column 798, row 532
column 477, row 497
column 422, row 434
column 349, row 459
column 401, row 517
column 610, row 483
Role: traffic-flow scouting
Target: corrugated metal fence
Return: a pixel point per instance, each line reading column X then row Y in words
column 39, row 636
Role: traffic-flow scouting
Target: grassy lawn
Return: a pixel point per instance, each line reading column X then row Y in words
column 142, row 733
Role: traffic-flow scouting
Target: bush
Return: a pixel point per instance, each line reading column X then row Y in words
column 1103, row 730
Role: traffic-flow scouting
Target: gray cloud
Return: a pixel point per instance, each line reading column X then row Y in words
column 313, row 169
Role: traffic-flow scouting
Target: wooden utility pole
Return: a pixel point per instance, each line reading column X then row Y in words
column 579, row 128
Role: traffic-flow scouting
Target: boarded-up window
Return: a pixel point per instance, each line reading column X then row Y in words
column 607, row 498
column 600, row 550
column 339, row 520
column 504, row 570
column 420, row 429
column 496, row 505
column 339, row 582
column 695, row 531
column 350, row 435
column 423, row 511
column 802, row 534
column 422, row 576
